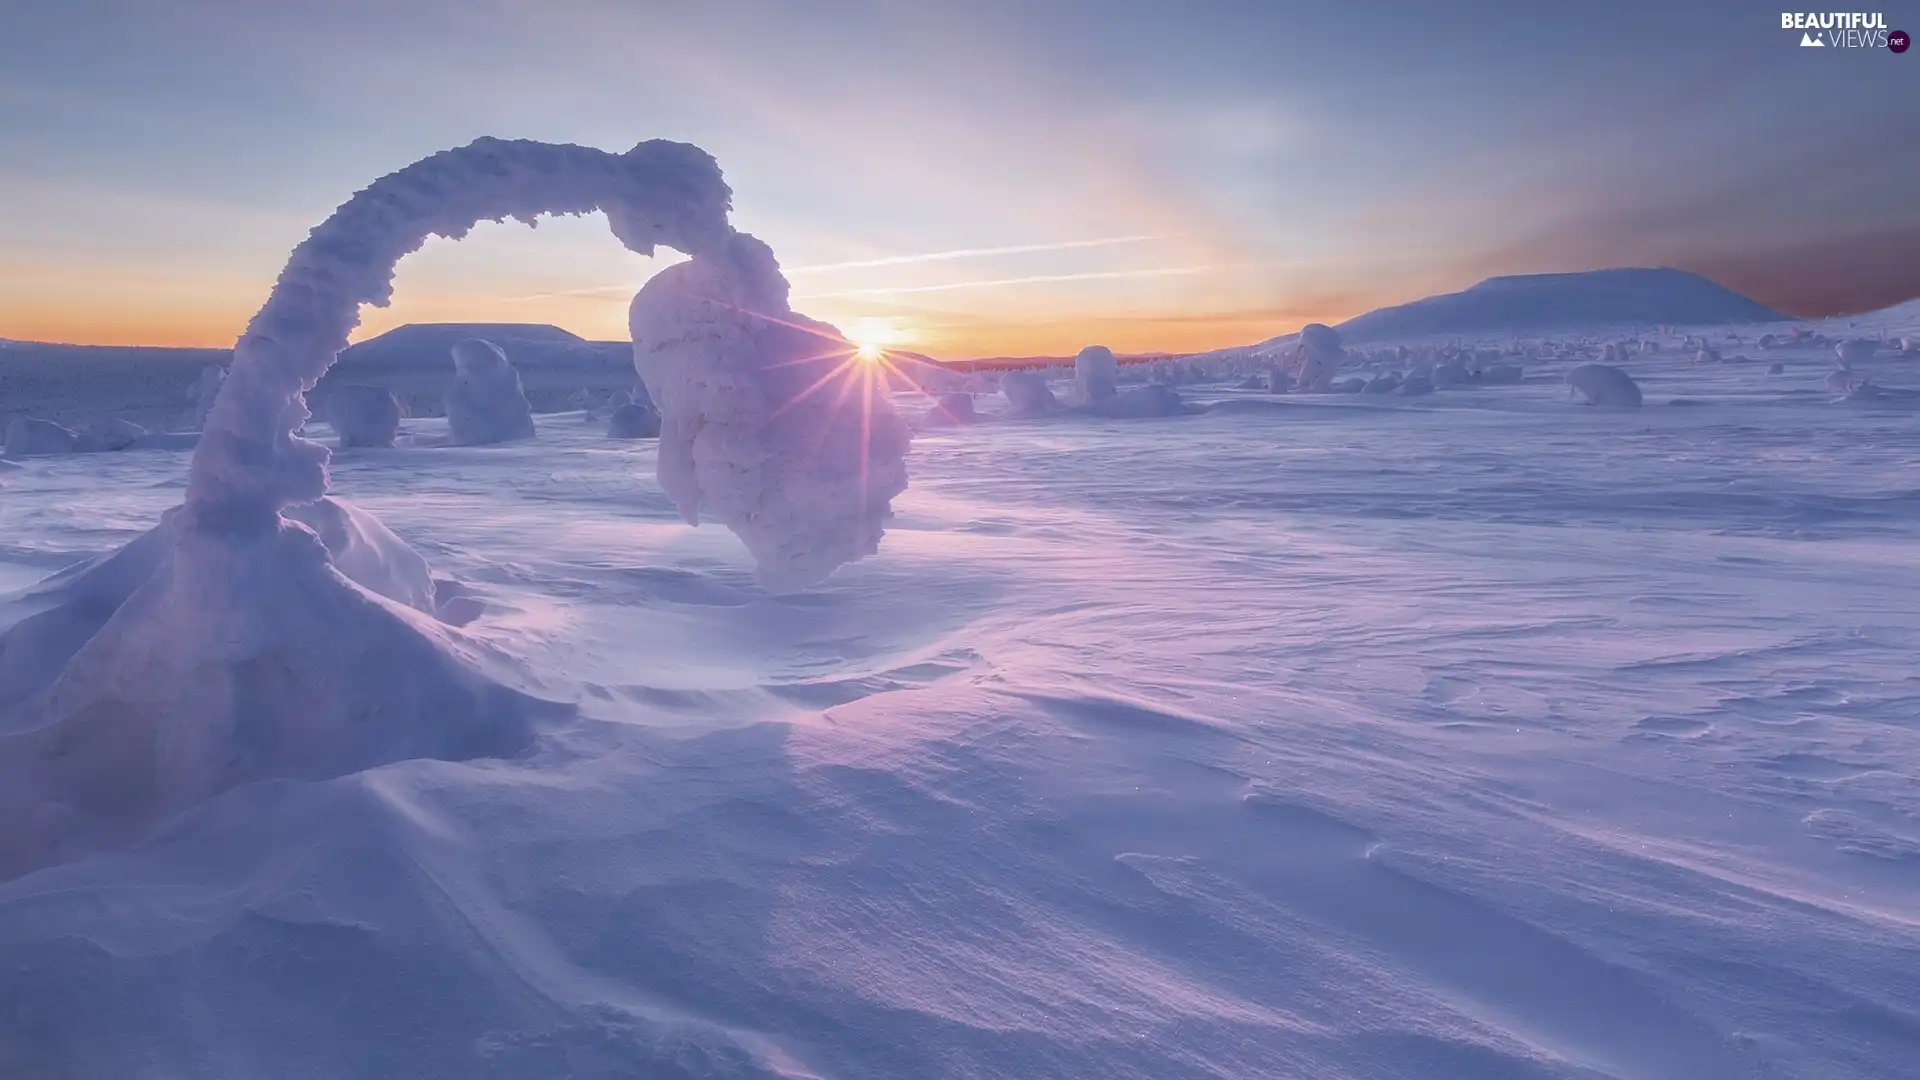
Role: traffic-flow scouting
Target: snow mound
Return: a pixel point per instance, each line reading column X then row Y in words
column 486, row 403
column 75, row 603
column 770, row 422
column 250, row 661
column 1142, row 402
column 1602, row 384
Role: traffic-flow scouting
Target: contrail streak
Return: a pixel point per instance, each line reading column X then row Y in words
column 908, row 260
column 1168, row 271
column 969, row 253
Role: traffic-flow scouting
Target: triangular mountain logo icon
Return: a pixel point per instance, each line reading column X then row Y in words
column 1808, row 41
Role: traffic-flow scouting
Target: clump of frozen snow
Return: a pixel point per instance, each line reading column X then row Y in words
column 1096, row 374
column 485, row 402
column 1416, row 385
column 770, row 421
column 1027, row 394
column 632, row 421
column 30, row 437
column 364, row 415
column 1603, row 384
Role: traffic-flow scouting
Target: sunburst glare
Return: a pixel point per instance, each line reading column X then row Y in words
column 871, row 337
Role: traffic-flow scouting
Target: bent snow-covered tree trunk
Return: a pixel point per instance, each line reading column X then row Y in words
column 233, row 644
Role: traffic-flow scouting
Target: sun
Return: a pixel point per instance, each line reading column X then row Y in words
column 870, row 337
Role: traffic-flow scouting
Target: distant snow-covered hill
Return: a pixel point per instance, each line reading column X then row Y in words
column 1594, row 298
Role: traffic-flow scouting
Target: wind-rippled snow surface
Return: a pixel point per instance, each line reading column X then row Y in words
column 1472, row 736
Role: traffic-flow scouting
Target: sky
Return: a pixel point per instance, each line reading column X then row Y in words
column 971, row 178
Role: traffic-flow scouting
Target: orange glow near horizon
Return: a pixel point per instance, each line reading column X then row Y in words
column 216, row 322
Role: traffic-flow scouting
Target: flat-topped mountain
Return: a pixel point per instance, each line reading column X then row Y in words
column 1595, row 298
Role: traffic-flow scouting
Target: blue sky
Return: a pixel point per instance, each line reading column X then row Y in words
column 1154, row 175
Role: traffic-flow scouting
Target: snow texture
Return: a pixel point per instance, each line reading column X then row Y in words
column 1604, row 384
column 486, row 403
column 770, row 422
column 1479, row 736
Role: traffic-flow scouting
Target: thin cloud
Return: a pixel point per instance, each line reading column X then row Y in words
column 970, row 253
column 862, row 264
column 1167, row 271
column 591, row 290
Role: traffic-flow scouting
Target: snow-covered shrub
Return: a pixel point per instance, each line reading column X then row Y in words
column 1096, row 374
column 30, row 437
column 632, row 421
column 485, row 402
column 1027, row 394
column 364, row 415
